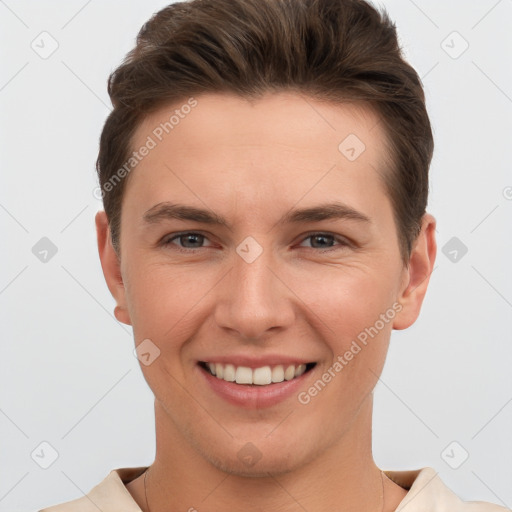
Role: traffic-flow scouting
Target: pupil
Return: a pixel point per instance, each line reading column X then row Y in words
column 321, row 237
column 190, row 238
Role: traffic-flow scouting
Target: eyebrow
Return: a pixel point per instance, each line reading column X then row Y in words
column 326, row 211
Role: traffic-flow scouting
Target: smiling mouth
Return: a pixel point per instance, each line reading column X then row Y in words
column 262, row 376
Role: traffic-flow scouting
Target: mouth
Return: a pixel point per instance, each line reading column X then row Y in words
column 261, row 376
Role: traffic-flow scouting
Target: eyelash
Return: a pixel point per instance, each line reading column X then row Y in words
column 343, row 243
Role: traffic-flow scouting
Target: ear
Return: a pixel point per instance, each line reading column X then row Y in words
column 417, row 274
column 110, row 264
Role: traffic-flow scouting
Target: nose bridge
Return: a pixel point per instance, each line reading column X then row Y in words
column 254, row 276
column 254, row 299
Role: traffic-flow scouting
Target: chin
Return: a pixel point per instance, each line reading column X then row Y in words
column 264, row 466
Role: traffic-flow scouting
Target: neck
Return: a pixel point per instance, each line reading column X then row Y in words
column 342, row 477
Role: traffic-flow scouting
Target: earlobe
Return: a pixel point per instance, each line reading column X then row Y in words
column 421, row 265
column 111, row 268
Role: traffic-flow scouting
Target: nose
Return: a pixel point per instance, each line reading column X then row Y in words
column 255, row 298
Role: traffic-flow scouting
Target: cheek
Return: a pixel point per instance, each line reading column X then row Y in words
column 164, row 305
column 162, row 301
column 346, row 301
column 355, row 316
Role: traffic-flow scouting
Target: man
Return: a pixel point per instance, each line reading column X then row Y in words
column 265, row 179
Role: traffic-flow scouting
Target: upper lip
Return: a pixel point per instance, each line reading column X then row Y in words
column 257, row 362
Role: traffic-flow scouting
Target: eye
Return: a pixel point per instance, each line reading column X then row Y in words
column 194, row 239
column 189, row 241
column 323, row 241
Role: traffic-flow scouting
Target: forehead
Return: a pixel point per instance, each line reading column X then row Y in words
column 220, row 144
column 283, row 118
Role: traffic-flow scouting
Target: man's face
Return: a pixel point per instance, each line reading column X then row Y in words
column 267, row 288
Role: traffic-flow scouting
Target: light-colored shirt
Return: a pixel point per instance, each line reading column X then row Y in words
column 426, row 493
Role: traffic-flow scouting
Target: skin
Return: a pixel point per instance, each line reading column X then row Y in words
column 252, row 162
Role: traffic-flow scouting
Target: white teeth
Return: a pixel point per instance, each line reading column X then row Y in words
column 259, row 376
column 300, row 370
column 243, row 375
column 289, row 373
column 262, row 376
column 278, row 373
column 229, row 373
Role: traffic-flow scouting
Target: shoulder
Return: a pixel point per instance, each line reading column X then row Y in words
column 108, row 496
column 427, row 492
column 78, row 505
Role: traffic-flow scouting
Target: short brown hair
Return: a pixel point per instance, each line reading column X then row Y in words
column 330, row 50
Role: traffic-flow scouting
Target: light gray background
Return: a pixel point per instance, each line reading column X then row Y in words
column 68, row 374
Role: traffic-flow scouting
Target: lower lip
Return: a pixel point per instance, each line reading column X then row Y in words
column 254, row 396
